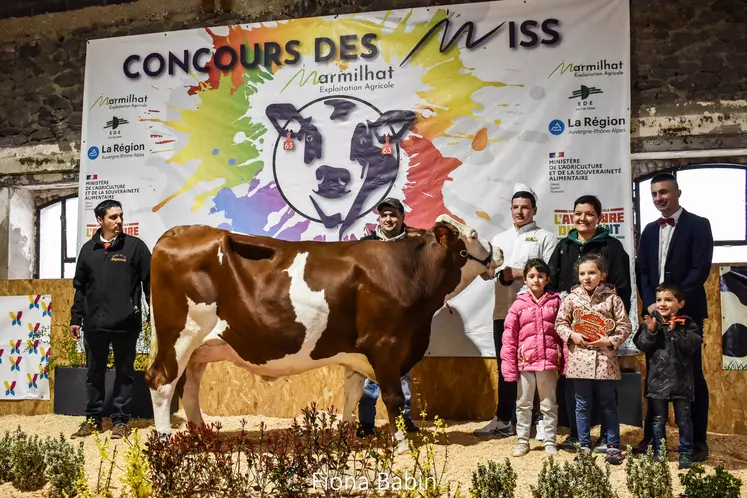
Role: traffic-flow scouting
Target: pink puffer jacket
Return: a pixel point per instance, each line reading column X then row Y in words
column 530, row 343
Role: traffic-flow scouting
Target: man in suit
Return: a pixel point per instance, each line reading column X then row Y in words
column 677, row 248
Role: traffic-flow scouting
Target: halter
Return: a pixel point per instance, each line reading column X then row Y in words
column 485, row 262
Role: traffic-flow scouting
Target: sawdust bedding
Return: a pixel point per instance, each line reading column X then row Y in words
column 465, row 451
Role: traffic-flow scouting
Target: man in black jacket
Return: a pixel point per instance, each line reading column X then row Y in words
column 391, row 227
column 111, row 273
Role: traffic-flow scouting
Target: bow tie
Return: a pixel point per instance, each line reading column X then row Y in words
column 666, row 221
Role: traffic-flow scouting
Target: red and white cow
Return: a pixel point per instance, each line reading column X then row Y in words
column 280, row 308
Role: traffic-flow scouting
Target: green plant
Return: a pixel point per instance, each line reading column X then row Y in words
column 426, row 476
column 493, row 480
column 136, row 475
column 28, row 462
column 647, row 476
column 6, row 462
column 104, row 476
column 62, row 464
column 721, row 483
column 554, row 481
column 589, row 479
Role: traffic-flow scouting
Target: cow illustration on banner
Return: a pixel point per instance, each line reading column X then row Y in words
column 374, row 156
column 296, row 129
column 734, row 317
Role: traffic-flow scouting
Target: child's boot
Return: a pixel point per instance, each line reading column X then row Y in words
column 686, row 460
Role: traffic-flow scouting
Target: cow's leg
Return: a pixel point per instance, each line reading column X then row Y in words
column 191, row 392
column 172, row 359
column 353, row 392
column 161, row 397
column 394, row 399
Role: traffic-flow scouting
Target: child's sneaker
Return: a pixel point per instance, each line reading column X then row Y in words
column 520, row 449
column 614, row 456
column 582, row 450
column 601, row 445
column 551, row 449
column 495, row 428
column 569, row 444
column 686, row 460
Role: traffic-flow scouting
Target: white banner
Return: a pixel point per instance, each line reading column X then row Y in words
column 297, row 129
column 25, row 329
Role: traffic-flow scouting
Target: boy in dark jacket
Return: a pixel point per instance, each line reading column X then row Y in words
column 669, row 342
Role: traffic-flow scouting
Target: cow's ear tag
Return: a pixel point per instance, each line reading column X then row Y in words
column 288, row 144
column 386, row 150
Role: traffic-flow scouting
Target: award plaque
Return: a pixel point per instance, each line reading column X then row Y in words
column 591, row 325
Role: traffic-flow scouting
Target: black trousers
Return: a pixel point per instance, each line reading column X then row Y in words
column 682, row 414
column 506, row 409
column 97, row 353
column 699, row 408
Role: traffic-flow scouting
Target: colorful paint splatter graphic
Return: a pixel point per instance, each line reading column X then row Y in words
column 231, row 144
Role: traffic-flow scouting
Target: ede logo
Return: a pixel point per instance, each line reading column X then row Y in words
column 93, row 152
column 556, row 127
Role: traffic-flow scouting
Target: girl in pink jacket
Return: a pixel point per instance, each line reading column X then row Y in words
column 532, row 355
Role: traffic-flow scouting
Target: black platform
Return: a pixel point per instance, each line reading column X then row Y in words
column 70, row 394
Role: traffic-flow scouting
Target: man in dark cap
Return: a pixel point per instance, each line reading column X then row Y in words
column 391, row 227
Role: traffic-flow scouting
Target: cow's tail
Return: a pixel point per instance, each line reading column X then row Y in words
column 153, row 350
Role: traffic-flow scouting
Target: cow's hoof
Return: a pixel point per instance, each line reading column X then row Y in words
column 402, row 447
column 163, row 436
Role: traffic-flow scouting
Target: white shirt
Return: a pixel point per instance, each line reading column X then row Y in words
column 519, row 245
column 665, row 238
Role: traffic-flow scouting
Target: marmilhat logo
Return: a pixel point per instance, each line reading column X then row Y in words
column 93, row 152
column 556, row 127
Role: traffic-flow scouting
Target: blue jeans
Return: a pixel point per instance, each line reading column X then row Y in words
column 367, row 404
column 683, row 417
column 603, row 393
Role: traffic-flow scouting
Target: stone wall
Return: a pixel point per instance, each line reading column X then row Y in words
column 689, row 65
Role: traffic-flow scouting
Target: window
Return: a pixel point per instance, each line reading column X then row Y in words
column 715, row 191
column 58, row 235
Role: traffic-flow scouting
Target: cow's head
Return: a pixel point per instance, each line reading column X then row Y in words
column 477, row 255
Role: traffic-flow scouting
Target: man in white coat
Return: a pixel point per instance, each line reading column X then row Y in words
column 524, row 240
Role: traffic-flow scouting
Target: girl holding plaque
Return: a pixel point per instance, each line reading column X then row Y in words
column 593, row 322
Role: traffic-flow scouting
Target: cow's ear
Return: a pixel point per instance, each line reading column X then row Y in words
column 443, row 235
column 399, row 121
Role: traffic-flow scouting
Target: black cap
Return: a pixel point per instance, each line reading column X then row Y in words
column 392, row 202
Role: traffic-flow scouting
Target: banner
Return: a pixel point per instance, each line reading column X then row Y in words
column 297, row 129
column 734, row 317
column 25, row 331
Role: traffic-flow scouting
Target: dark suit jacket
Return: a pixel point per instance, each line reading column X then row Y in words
column 688, row 263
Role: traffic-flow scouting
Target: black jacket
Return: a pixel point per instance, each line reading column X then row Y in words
column 669, row 355
column 109, row 284
column 562, row 262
